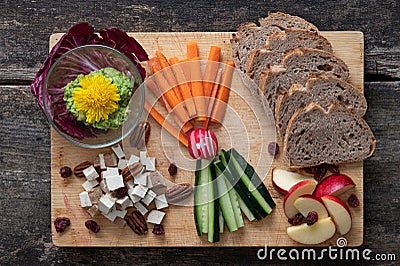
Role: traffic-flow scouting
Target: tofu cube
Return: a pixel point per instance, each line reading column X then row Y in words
column 118, row 151
column 104, row 187
column 133, row 159
column 122, row 163
column 85, row 199
column 150, row 196
column 102, row 163
column 121, row 213
column 93, row 211
column 110, row 171
column 141, row 208
column 140, row 191
column 121, row 204
column 114, row 182
column 149, row 183
column 105, row 204
column 134, row 198
column 150, row 164
column 141, row 179
column 130, row 184
column 130, row 204
column 110, row 215
column 143, row 156
column 161, row 202
column 88, row 185
column 90, row 173
column 155, row 217
column 158, row 183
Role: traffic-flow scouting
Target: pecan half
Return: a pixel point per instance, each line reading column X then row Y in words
column 137, row 223
column 131, row 171
column 178, row 193
column 78, row 170
column 140, row 135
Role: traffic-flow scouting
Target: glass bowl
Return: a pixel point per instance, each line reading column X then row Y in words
column 83, row 60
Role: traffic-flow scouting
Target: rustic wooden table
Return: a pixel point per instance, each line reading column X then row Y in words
column 25, row 27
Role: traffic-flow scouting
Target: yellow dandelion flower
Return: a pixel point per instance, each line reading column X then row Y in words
column 97, row 97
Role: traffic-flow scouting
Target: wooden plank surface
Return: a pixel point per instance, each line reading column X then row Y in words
column 179, row 220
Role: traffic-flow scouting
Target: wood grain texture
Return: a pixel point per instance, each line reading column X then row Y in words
column 245, row 117
column 26, row 190
column 25, row 26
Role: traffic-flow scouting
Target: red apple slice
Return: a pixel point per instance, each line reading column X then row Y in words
column 283, row 180
column 307, row 203
column 333, row 185
column 312, row 234
column 339, row 212
column 301, row 188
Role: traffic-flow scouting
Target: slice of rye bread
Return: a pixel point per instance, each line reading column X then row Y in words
column 324, row 90
column 279, row 44
column 296, row 67
column 315, row 136
column 249, row 36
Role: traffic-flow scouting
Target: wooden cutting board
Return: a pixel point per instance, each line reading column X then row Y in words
column 179, row 223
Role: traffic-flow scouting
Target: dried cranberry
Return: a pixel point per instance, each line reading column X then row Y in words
column 158, row 229
column 121, row 192
column 273, row 148
column 320, row 171
column 296, row 220
column 61, row 223
column 334, row 169
column 312, row 218
column 65, row 171
column 172, row 169
column 92, row 225
column 353, row 201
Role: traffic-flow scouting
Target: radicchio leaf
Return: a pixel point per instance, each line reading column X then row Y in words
column 78, row 35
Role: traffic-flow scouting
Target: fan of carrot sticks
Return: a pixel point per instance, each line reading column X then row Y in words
column 188, row 94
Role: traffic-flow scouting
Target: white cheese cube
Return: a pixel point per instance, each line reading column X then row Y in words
column 110, row 215
column 111, row 171
column 155, row 217
column 158, row 183
column 149, row 197
column 161, row 202
column 121, row 204
column 150, row 164
column 121, row 213
column 143, row 156
column 114, row 182
column 140, row 191
column 85, row 199
column 130, row 184
column 130, row 204
column 149, row 182
column 122, row 163
column 105, row 204
column 118, row 151
column 102, row 162
column 141, row 179
column 104, row 187
column 88, row 185
column 141, row 208
column 133, row 159
column 90, row 173
column 114, row 199
column 132, row 196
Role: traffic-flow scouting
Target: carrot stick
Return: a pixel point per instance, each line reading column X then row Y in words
column 183, row 86
column 222, row 97
column 192, row 50
column 169, row 95
column 197, row 87
column 212, row 99
column 157, row 93
column 211, row 70
column 165, row 124
column 169, row 74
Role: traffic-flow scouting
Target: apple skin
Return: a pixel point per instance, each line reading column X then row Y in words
column 339, row 212
column 334, row 184
column 301, row 188
column 307, row 203
column 283, row 180
column 312, row 234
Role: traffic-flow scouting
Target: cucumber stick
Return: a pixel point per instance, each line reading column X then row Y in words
column 213, row 206
column 245, row 209
column 236, row 208
column 221, row 221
